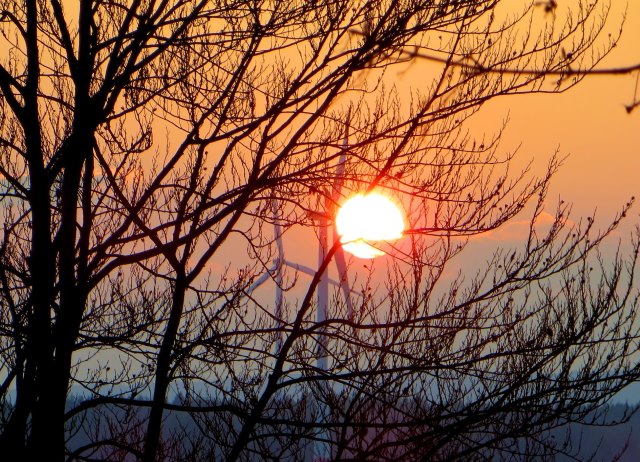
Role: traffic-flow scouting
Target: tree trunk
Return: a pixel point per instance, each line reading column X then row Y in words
column 39, row 351
column 162, row 379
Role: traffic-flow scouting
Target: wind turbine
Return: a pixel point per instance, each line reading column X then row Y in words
column 315, row 451
column 356, row 239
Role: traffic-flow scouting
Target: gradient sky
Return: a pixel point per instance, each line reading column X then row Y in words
column 587, row 123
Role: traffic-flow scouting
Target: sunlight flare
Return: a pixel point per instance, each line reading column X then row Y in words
column 365, row 220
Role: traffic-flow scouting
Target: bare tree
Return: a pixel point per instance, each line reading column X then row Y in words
column 142, row 142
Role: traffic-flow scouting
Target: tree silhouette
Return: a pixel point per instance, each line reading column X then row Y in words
column 143, row 143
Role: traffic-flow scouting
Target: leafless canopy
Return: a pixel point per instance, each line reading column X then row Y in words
column 151, row 152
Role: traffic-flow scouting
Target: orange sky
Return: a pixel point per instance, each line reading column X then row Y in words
column 590, row 123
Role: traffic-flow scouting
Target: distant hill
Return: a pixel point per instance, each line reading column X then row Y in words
column 606, row 443
column 616, row 441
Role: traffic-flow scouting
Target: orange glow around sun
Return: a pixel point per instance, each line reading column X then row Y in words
column 368, row 219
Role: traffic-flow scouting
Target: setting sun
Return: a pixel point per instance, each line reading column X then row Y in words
column 367, row 219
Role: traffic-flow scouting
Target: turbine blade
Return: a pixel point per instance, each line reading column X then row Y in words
column 337, row 185
column 341, row 263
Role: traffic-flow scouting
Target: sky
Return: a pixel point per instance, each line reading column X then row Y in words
column 589, row 126
column 588, row 123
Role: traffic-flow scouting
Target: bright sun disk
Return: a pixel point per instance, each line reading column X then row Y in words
column 365, row 219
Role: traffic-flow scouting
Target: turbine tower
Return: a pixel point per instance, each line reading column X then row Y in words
column 315, row 451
